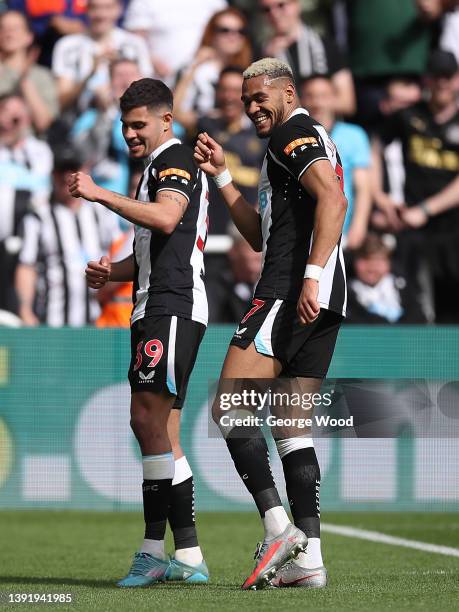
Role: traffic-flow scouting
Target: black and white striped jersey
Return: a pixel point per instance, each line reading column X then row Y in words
column 58, row 242
column 169, row 269
column 287, row 214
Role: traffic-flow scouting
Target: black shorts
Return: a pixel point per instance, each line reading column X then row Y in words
column 163, row 353
column 275, row 329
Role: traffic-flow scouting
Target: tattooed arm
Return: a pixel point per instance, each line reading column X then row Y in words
column 161, row 216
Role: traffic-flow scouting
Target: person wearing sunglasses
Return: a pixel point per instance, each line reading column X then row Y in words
column 306, row 51
column 225, row 42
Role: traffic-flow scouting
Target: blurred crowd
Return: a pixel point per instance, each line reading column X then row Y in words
column 381, row 76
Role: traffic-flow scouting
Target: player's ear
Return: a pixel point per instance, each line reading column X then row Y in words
column 290, row 92
column 167, row 121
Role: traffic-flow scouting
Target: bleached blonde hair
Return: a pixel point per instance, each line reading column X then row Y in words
column 271, row 67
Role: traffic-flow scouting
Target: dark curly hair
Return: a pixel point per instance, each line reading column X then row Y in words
column 146, row 92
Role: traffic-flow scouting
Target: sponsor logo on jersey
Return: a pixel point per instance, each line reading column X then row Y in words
column 147, row 377
column 304, row 143
column 174, row 172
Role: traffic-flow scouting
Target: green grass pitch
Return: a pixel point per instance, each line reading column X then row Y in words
column 84, row 553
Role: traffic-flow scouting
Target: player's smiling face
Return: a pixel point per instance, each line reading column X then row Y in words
column 145, row 129
column 268, row 103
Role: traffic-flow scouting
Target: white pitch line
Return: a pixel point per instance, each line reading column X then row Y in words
column 376, row 536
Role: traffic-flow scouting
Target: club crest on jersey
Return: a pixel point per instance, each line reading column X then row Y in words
column 304, row 143
column 175, row 174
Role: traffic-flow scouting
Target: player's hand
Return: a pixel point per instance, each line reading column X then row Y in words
column 209, row 155
column 308, row 308
column 81, row 185
column 414, row 216
column 98, row 273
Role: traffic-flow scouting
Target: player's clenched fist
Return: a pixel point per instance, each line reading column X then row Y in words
column 209, row 155
column 98, row 272
column 81, row 185
column 308, row 308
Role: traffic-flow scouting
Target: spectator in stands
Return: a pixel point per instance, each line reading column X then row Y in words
column 25, row 161
column 19, row 71
column 386, row 39
column 318, row 96
column 429, row 132
column 387, row 168
column 81, row 61
column 244, row 151
column 225, row 42
column 49, row 20
column 306, row 51
column 228, row 296
column 98, row 135
column 58, row 241
column 375, row 293
column 25, row 166
column 173, row 29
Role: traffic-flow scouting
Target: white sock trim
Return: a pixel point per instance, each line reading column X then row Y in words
column 158, row 467
column 284, row 447
column 275, row 521
column 312, row 558
column 191, row 556
column 155, row 548
column 182, row 471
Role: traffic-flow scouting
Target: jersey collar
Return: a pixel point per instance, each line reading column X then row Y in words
column 163, row 147
column 299, row 111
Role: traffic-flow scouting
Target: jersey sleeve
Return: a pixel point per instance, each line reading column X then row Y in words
column 177, row 171
column 296, row 145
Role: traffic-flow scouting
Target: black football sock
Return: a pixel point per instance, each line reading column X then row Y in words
column 158, row 472
column 181, row 514
column 302, row 479
column 251, row 459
